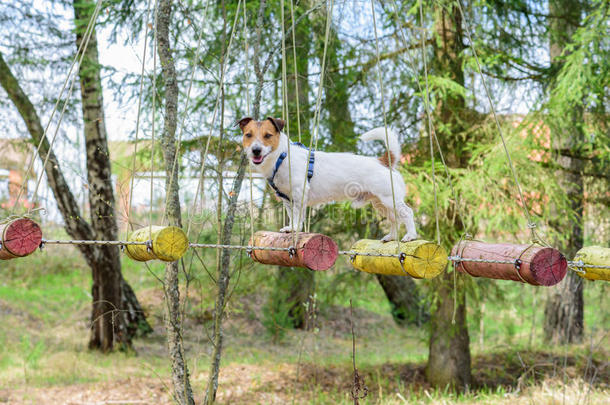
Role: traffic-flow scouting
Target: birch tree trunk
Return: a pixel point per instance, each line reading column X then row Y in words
column 183, row 393
column 116, row 313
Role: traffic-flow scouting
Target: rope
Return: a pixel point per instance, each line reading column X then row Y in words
column 294, row 58
column 178, row 142
column 201, row 181
column 286, row 116
column 135, row 148
column 457, row 259
column 61, row 116
column 531, row 224
column 411, row 63
column 154, row 96
column 82, row 47
column 316, row 119
column 385, row 124
column 427, row 107
column 247, row 74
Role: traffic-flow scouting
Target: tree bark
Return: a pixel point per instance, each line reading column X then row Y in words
column 449, row 352
column 183, row 393
column 564, row 311
column 405, row 300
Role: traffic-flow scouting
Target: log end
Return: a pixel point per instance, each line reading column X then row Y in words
column 548, row 266
column 429, row 260
column 21, row 237
column 312, row 251
column 170, row 244
column 319, row 253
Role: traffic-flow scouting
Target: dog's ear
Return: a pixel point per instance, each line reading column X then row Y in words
column 277, row 123
column 243, row 122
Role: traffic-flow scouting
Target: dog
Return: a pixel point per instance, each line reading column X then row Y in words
column 302, row 178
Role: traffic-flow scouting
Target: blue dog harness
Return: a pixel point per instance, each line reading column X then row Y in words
column 278, row 163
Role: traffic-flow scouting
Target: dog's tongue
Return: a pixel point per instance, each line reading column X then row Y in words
column 257, row 159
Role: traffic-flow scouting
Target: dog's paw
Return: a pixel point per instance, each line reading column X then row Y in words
column 388, row 238
column 409, row 237
column 286, row 229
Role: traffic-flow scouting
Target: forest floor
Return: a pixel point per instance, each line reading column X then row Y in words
column 45, row 302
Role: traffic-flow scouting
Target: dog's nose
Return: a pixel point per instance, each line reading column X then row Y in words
column 256, row 151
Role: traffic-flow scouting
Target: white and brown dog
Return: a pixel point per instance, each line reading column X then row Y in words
column 327, row 177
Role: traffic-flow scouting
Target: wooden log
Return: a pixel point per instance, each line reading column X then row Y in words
column 597, row 256
column 532, row 264
column 312, row 251
column 168, row 243
column 422, row 259
column 20, row 238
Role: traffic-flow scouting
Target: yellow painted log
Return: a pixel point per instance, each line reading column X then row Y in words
column 597, row 256
column 422, row 259
column 169, row 243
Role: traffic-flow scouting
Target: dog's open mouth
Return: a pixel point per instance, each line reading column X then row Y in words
column 257, row 160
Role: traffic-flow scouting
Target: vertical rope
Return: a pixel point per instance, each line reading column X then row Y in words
column 135, row 148
column 82, row 48
column 316, row 120
column 74, row 77
column 178, row 142
column 430, row 135
column 154, row 96
column 385, row 124
column 247, row 74
column 411, row 63
column 530, row 223
column 214, row 115
column 296, row 79
column 286, row 114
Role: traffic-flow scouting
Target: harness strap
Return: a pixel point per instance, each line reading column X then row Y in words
column 279, row 162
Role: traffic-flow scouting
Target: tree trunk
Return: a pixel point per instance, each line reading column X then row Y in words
column 449, row 352
column 227, row 228
column 564, row 312
column 183, row 392
column 405, row 300
column 449, row 355
column 121, row 316
column 106, row 266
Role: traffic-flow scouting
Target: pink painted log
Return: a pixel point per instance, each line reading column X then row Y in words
column 19, row 238
column 538, row 265
column 312, row 250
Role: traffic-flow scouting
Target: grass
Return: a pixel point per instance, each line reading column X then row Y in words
column 45, row 303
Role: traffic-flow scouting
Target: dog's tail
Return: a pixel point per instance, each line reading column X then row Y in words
column 379, row 134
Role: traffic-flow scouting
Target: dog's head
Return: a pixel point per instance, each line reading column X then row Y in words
column 261, row 138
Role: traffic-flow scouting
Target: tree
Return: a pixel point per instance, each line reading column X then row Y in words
column 116, row 313
column 449, row 352
column 183, row 392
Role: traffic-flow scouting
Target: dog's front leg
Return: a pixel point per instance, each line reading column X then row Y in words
column 296, row 210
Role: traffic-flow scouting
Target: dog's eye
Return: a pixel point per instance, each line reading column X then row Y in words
column 267, row 136
column 248, row 135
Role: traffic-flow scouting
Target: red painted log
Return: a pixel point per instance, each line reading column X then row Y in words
column 20, row 238
column 538, row 265
column 312, row 250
